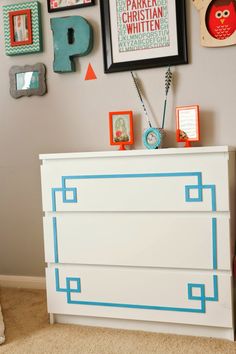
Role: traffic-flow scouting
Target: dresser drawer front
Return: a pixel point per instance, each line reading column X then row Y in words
column 150, row 183
column 165, row 240
column 152, row 295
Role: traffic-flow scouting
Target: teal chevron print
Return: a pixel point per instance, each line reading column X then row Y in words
column 36, row 45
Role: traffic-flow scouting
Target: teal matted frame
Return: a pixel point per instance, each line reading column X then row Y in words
column 36, row 45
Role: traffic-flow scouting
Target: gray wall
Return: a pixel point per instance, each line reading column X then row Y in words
column 73, row 116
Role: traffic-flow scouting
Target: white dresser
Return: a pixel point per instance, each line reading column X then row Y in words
column 141, row 239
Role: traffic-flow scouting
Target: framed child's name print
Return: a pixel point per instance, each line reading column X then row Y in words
column 141, row 34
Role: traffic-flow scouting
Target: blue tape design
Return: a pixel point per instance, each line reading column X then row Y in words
column 55, row 239
column 214, row 244
column 199, row 186
column 202, row 298
column 213, row 231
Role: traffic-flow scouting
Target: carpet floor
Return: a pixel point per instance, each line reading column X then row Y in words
column 28, row 332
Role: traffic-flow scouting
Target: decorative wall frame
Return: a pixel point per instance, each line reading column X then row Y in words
column 27, row 80
column 22, row 28
column 121, row 128
column 217, row 22
column 187, row 124
column 62, row 5
column 144, row 37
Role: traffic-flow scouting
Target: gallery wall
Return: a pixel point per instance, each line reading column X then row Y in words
column 73, row 117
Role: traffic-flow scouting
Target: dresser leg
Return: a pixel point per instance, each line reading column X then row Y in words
column 51, row 318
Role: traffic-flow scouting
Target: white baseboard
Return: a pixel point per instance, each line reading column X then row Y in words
column 15, row 281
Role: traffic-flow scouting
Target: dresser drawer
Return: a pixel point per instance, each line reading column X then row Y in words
column 146, row 183
column 193, row 241
column 152, row 295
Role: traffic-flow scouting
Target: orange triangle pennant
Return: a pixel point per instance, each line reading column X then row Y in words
column 90, row 75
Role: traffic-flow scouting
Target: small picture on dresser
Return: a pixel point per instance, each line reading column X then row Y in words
column 121, row 128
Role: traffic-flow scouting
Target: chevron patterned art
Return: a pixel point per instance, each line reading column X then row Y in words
column 8, row 13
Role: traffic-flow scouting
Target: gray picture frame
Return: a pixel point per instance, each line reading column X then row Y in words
column 34, row 77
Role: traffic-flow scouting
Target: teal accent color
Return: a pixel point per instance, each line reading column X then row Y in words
column 199, row 186
column 72, row 36
column 69, row 281
column 157, row 133
column 202, row 298
column 199, row 198
column 214, row 243
column 36, row 46
column 213, row 231
column 55, row 240
column 65, row 198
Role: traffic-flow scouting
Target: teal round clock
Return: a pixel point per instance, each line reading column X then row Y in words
column 152, row 138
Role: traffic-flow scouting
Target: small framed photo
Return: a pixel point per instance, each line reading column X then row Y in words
column 22, row 28
column 27, row 80
column 187, row 124
column 121, row 128
column 62, row 5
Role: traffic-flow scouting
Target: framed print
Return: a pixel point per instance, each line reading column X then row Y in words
column 27, row 80
column 61, row 5
column 217, row 22
column 121, row 128
column 22, row 28
column 143, row 34
column 187, row 124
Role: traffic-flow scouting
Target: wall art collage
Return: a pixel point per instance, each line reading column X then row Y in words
column 136, row 34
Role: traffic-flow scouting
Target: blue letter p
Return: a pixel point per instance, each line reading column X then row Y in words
column 72, row 36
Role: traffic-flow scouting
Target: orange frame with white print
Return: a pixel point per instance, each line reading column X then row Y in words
column 187, row 124
column 121, row 128
column 28, row 27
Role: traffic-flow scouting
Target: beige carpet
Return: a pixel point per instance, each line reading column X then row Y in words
column 28, row 332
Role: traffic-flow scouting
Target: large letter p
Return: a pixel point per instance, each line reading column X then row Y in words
column 72, row 36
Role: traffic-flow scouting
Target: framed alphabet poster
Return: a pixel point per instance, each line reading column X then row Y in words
column 141, row 34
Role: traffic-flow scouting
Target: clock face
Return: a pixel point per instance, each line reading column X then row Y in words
column 151, row 138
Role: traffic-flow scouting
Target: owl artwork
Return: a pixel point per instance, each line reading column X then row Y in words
column 221, row 18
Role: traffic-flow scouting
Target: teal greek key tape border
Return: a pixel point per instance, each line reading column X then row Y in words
column 199, row 186
column 73, row 284
column 201, row 297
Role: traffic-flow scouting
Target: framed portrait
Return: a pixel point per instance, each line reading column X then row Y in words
column 121, row 128
column 62, row 5
column 187, row 124
column 22, row 28
column 27, row 80
column 143, row 34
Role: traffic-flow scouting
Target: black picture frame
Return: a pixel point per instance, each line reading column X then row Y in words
column 69, row 7
column 112, row 65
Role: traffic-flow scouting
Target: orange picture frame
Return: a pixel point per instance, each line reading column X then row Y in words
column 121, row 128
column 187, row 124
column 20, row 27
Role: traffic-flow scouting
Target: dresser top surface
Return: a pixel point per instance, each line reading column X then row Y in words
column 144, row 152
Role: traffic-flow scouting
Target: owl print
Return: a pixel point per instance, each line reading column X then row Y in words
column 221, row 18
